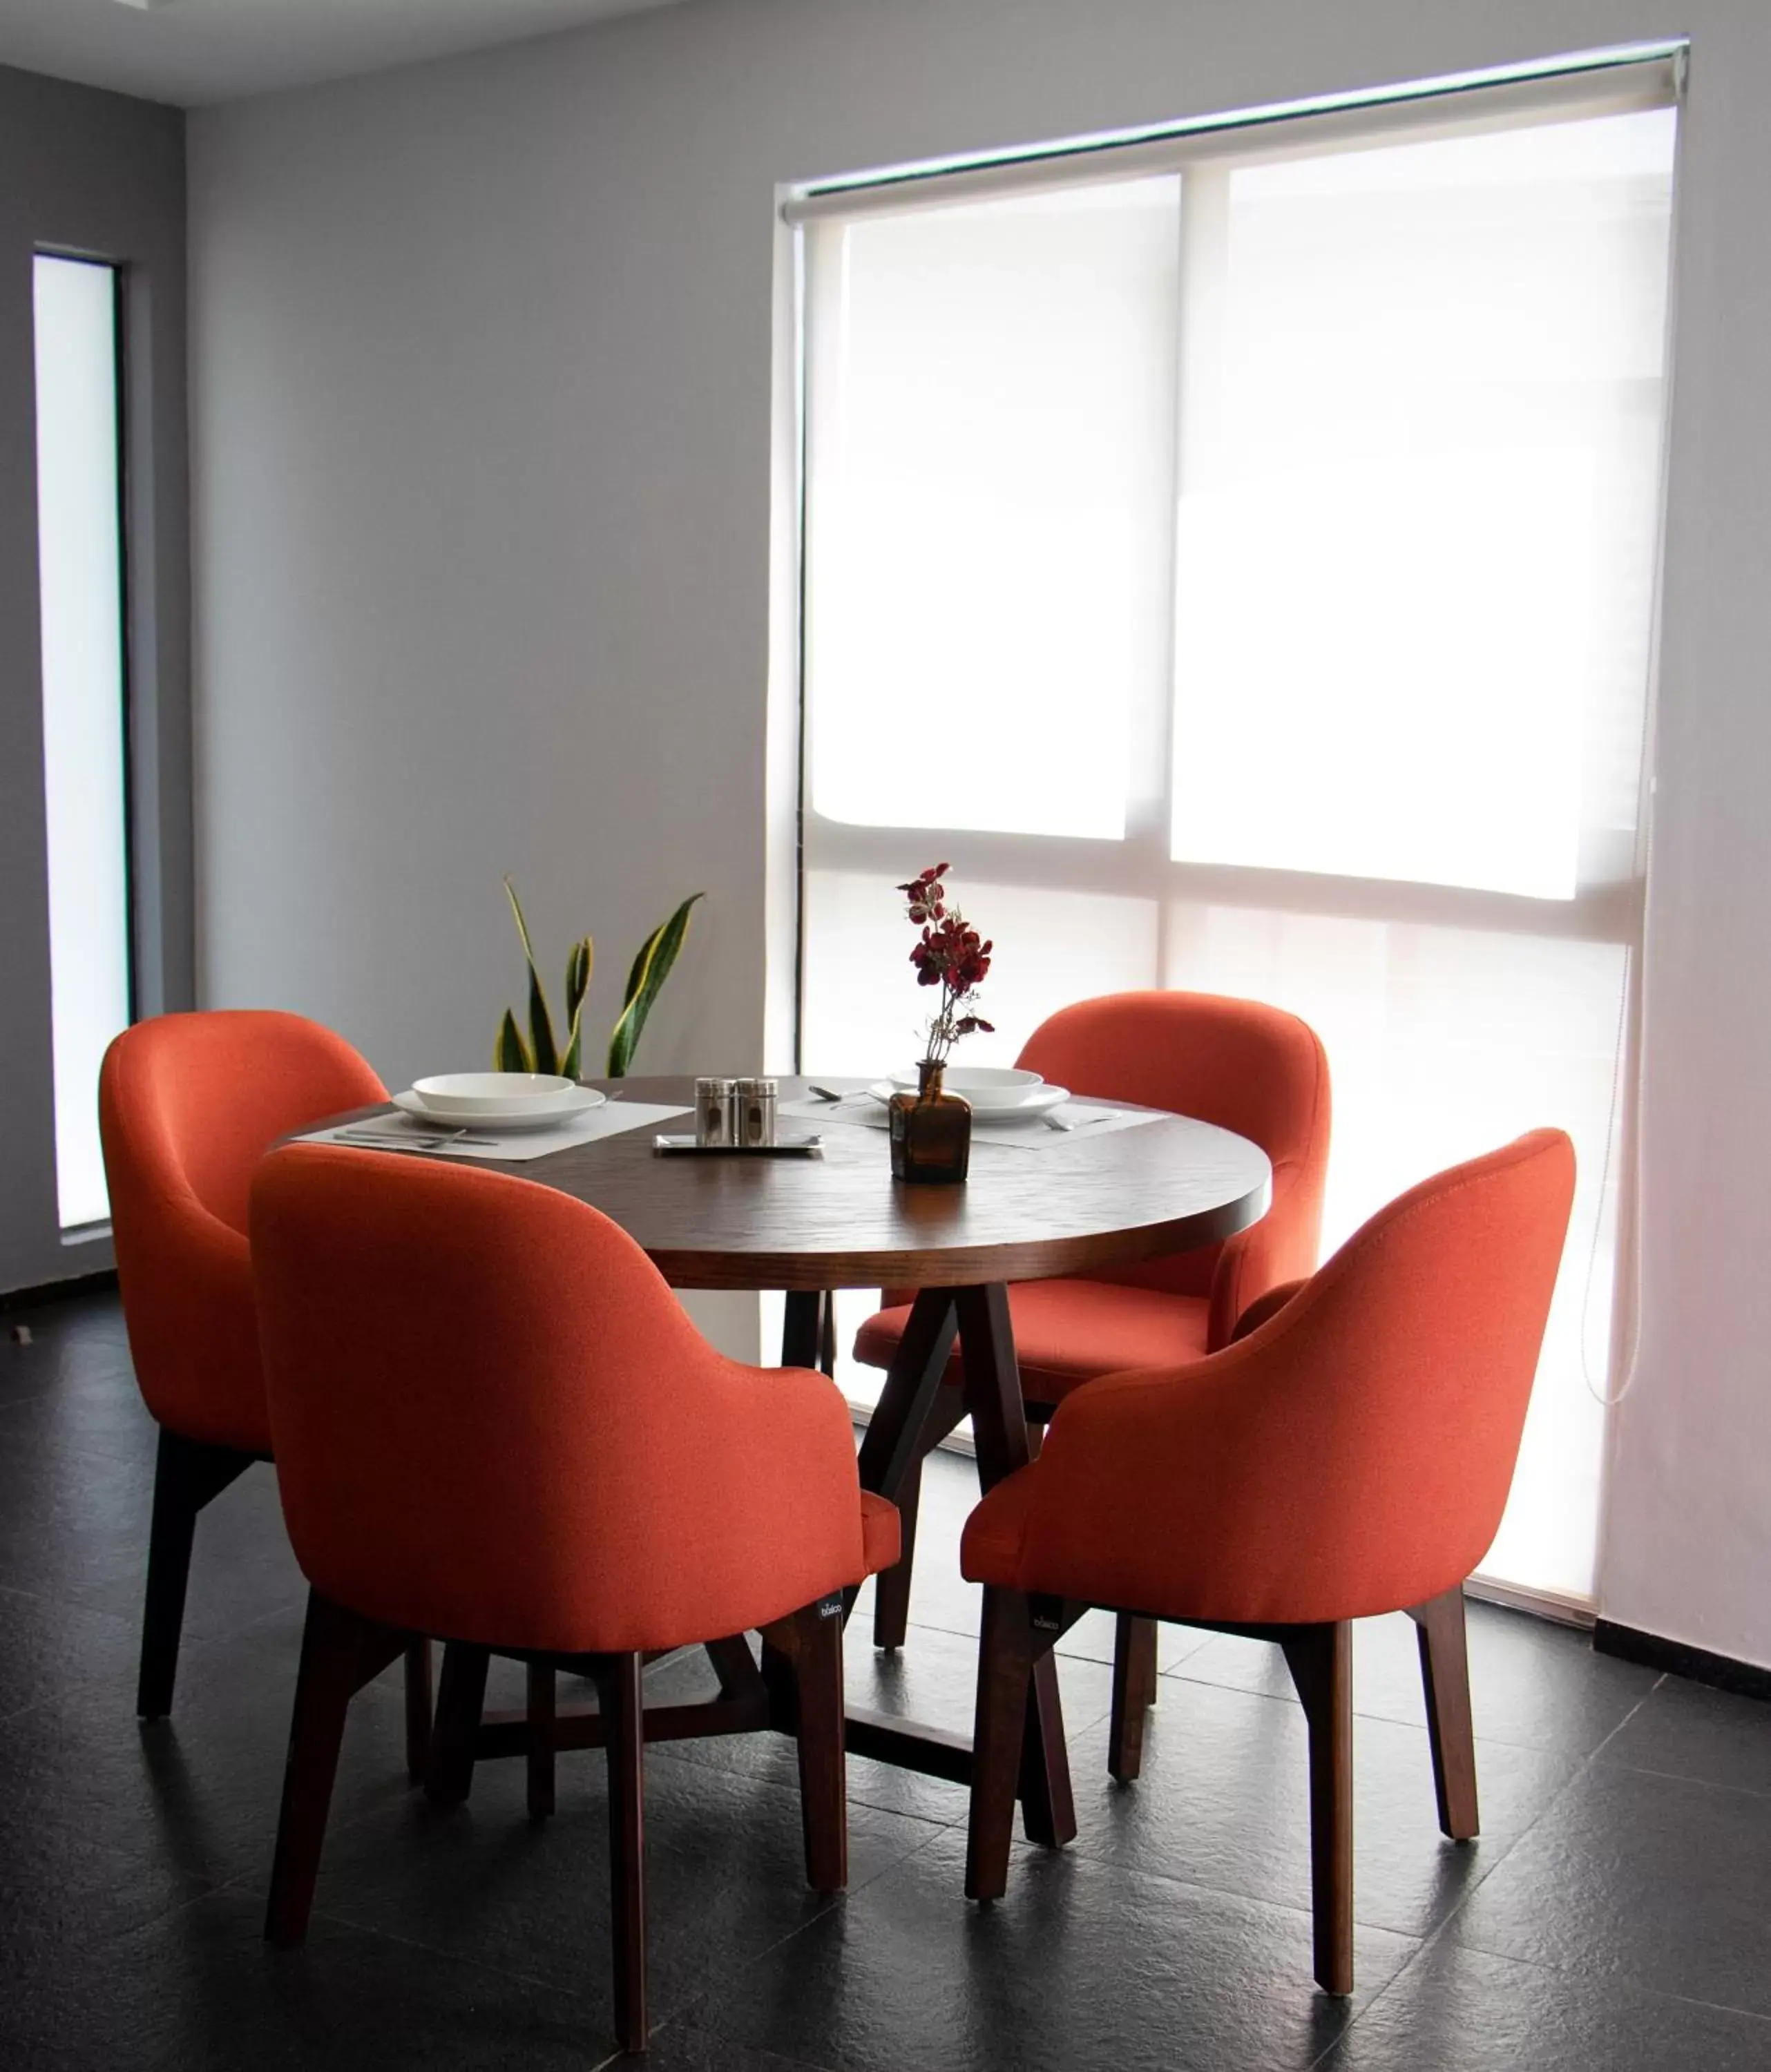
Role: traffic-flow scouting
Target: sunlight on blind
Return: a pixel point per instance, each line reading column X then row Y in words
column 1414, row 574
column 992, row 399
column 1389, row 420
column 1445, row 1042
column 866, row 1014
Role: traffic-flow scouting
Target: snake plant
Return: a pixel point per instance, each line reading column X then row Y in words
column 539, row 1052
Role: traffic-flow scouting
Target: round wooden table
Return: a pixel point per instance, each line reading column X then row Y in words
column 810, row 1226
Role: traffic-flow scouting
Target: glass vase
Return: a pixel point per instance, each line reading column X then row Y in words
column 930, row 1131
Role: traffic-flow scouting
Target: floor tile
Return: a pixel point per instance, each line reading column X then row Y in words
column 1532, row 1683
column 50, row 1649
column 1688, row 1730
column 1461, row 2009
column 686, row 2045
column 1662, row 1882
column 104, row 1415
column 1223, row 1801
column 1083, row 1963
column 724, row 1866
column 79, row 1339
column 197, row 1792
column 199, row 1991
column 933, row 1678
column 74, row 1527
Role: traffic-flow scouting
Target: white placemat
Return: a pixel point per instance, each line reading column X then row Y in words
column 987, row 1134
column 402, row 1132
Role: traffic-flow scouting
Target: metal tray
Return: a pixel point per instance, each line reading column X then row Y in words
column 786, row 1147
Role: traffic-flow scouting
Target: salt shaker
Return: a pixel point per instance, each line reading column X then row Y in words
column 716, row 1113
column 757, row 1100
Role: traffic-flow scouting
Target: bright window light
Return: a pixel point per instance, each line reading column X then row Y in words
column 80, row 571
column 990, row 539
column 1414, row 563
column 1288, row 524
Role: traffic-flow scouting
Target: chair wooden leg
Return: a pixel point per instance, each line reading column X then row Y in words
column 1320, row 1660
column 627, row 1743
column 540, row 1741
column 1445, row 1674
column 340, row 1651
column 824, row 1797
column 187, row 1475
column 1005, row 1442
column 419, row 1700
column 1005, row 1655
column 1134, row 1692
column 461, row 1699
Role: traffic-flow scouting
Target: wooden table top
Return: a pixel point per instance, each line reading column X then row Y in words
column 840, row 1221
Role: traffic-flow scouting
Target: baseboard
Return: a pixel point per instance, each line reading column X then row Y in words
column 1551, row 1604
column 1745, row 1679
column 59, row 1291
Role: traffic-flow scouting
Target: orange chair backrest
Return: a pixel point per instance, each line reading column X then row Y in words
column 1352, row 1454
column 188, row 1105
column 1237, row 1063
column 494, row 1422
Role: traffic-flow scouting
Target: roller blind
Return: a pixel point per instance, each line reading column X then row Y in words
column 1242, row 565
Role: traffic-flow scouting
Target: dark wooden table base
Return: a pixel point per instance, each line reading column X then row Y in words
column 758, row 1695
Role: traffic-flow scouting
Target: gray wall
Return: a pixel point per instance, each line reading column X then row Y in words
column 104, row 175
column 483, row 455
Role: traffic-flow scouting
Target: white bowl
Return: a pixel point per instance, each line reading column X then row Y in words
column 969, row 1079
column 1012, row 1105
column 991, row 1089
column 532, row 1115
column 482, row 1094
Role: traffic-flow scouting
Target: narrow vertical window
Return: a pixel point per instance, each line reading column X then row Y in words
column 79, row 556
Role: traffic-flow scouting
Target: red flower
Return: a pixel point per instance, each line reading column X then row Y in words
column 948, row 953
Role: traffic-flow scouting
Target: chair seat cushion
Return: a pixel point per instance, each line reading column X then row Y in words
column 1067, row 1332
column 879, row 1532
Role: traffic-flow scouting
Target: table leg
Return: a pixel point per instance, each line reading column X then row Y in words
column 808, row 1330
column 999, row 1432
column 895, row 1429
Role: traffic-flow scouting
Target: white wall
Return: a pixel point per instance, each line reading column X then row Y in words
column 482, row 452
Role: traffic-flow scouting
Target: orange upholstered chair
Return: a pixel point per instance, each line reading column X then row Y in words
column 188, row 1105
column 1239, row 1064
column 1348, row 1453
column 495, row 1423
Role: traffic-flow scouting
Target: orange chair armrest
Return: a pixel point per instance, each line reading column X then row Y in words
column 1281, row 1247
column 1264, row 1306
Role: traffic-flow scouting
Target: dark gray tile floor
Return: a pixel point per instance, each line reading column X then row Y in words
column 1616, row 1913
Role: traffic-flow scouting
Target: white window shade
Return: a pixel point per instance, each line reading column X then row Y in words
column 1423, row 439
column 1245, row 575
column 993, row 390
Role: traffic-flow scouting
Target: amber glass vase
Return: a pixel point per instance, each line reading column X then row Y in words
column 931, row 1131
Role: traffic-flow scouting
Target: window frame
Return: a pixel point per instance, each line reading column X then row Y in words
column 118, row 272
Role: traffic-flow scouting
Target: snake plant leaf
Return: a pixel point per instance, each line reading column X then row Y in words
column 542, row 1047
column 543, row 1052
column 522, row 926
column 578, row 966
column 650, row 968
column 509, row 1054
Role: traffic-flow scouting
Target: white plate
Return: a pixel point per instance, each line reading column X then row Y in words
column 478, row 1096
column 969, row 1079
column 993, row 1108
column 583, row 1100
